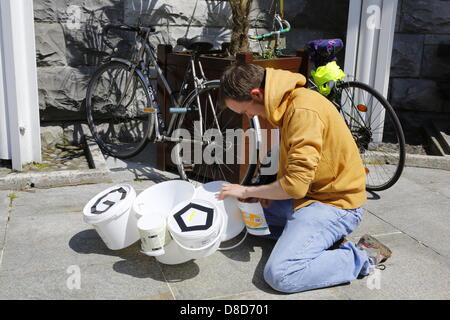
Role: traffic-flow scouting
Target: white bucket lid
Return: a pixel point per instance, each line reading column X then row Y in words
column 196, row 221
column 162, row 197
column 229, row 206
column 109, row 204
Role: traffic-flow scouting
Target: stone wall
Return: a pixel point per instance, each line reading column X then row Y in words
column 67, row 54
column 420, row 73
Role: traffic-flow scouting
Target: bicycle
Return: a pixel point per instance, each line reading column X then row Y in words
column 369, row 116
column 124, row 116
column 371, row 119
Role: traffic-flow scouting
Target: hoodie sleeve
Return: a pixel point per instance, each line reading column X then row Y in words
column 304, row 136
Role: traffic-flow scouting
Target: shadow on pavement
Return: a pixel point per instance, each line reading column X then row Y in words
column 134, row 263
column 243, row 254
column 373, row 196
column 147, row 269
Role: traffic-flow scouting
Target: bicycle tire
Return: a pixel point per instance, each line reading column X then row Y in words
column 120, row 131
column 382, row 150
column 227, row 120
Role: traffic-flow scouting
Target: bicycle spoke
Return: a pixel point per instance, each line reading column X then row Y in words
column 114, row 110
column 377, row 135
column 219, row 120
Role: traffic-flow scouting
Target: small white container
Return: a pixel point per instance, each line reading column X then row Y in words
column 197, row 227
column 110, row 213
column 154, row 235
column 254, row 218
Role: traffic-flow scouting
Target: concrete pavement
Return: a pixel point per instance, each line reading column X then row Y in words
column 43, row 241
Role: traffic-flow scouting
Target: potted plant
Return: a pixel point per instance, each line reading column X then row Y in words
column 241, row 25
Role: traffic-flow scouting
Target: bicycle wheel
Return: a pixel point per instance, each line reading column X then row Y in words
column 221, row 148
column 115, row 103
column 376, row 130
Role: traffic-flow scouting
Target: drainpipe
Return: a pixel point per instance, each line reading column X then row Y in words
column 19, row 107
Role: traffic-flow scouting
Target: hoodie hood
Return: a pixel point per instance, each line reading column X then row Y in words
column 278, row 89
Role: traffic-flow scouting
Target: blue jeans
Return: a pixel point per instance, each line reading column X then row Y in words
column 300, row 260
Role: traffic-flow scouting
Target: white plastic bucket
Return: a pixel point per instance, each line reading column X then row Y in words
column 254, row 218
column 110, row 214
column 232, row 214
column 154, row 235
column 174, row 255
column 161, row 198
column 197, row 227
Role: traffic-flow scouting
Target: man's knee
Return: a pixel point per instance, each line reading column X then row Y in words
column 275, row 276
column 281, row 277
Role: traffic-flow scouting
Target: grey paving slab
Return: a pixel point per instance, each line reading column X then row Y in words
column 238, row 274
column 224, row 273
column 413, row 272
column 56, row 200
column 433, row 180
column 416, row 210
column 46, row 235
column 63, row 200
column 46, row 242
column 96, row 282
column 4, row 214
column 139, row 167
column 373, row 225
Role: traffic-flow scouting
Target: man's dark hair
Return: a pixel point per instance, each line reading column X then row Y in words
column 239, row 80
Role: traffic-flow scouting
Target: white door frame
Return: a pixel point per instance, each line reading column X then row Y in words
column 370, row 38
column 20, row 138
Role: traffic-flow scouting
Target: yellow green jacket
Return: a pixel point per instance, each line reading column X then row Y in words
column 319, row 159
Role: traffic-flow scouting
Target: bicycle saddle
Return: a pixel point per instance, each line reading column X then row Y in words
column 198, row 44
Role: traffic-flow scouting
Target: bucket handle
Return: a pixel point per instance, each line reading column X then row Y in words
column 202, row 248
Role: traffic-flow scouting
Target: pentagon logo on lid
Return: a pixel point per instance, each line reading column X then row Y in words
column 194, row 217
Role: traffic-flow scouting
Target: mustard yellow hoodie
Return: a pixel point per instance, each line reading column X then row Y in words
column 319, row 159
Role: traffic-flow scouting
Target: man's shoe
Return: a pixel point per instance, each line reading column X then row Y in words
column 375, row 249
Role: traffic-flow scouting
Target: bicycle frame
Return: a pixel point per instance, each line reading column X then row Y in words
column 348, row 118
column 163, row 135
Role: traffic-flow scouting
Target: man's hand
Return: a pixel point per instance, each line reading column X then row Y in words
column 233, row 190
column 272, row 191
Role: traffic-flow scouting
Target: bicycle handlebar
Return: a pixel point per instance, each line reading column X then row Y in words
column 285, row 27
column 123, row 27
